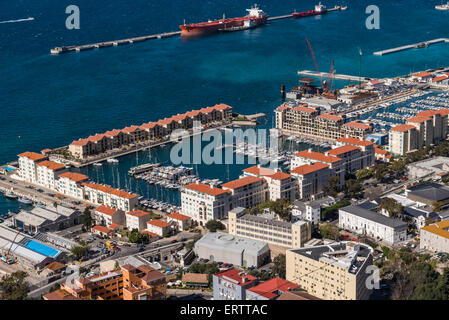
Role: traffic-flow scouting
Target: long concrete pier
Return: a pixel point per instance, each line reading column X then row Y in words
column 336, row 76
column 411, row 46
column 99, row 45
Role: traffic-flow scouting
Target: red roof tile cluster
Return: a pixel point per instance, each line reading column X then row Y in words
column 239, row 183
column 74, row 176
column 109, row 190
column 267, row 172
column 138, row 213
column 106, row 210
column 151, row 234
column 403, row 128
column 101, row 229
column 330, row 116
column 203, row 188
column 355, row 141
column 380, row 151
column 159, row 223
column 342, row 150
column 305, row 109
column 418, row 119
column 317, row 156
column 51, row 165
column 309, row 168
column 33, row 156
column 440, row 78
column 237, row 277
column 178, row 216
column 357, row 125
column 422, row 74
column 280, row 176
column 272, row 288
column 431, row 113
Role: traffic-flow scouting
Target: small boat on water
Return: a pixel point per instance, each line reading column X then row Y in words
column 25, row 200
column 98, row 164
column 112, row 160
column 10, row 195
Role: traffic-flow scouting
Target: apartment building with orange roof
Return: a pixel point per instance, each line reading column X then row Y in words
column 403, row 138
column 179, row 221
column 125, row 283
column 158, row 227
column 435, row 237
column 204, row 202
column 100, row 143
column 312, row 179
column 247, row 192
column 70, row 183
column 28, row 165
column 105, row 216
column 137, row 219
column 439, row 121
column 280, row 184
column 48, row 172
column 105, row 195
column 303, row 119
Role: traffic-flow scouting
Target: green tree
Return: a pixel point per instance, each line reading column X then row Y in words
column 282, row 207
column 333, row 187
column 364, row 173
column 394, row 208
column 86, row 219
column 14, row 286
column 214, row 225
column 380, row 172
column 80, row 251
column 329, row 231
column 330, row 211
column 136, row 237
column 279, row 263
column 353, row 188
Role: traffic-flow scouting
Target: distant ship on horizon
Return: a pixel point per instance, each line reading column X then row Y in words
column 255, row 18
column 442, row 6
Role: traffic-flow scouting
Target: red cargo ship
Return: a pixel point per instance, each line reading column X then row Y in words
column 319, row 10
column 255, row 17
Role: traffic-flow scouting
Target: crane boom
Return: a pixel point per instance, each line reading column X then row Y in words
column 314, row 60
column 326, row 87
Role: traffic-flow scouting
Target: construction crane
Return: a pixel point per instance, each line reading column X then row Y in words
column 314, row 61
column 326, row 86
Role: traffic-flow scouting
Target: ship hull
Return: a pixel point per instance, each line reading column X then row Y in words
column 206, row 28
column 310, row 13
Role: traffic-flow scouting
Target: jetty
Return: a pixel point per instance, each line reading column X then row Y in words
column 411, row 46
column 336, row 76
column 115, row 43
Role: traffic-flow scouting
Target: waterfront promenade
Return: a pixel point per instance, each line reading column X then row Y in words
column 411, row 46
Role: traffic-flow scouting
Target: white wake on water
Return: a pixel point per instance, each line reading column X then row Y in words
column 18, row 20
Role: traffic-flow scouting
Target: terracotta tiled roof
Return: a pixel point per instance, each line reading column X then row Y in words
column 159, row 223
column 235, row 184
column 440, row 78
column 32, row 156
column 138, row 213
column 403, row 128
column 178, row 216
column 151, row 234
column 422, row 74
column 236, row 276
column 106, row 210
column 195, row 278
column 46, row 150
column 309, row 168
column 329, row 116
column 101, row 229
column 55, row 266
column 60, row 294
column 418, row 119
column 272, row 288
column 357, row 125
column 305, row 109
column 317, row 156
column 203, row 188
column 74, row 176
column 259, row 170
column 280, row 176
column 355, row 141
column 110, row 190
column 51, row 165
column 380, row 151
column 342, row 150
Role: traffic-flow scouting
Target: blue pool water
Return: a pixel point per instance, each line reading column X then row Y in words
column 42, row 249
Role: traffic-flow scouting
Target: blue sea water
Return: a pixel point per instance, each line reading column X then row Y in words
column 48, row 101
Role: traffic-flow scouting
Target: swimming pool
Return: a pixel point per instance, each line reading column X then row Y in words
column 42, row 249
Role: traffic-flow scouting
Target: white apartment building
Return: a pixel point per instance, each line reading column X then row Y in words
column 105, row 216
column 179, row 221
column 70, row 183
column 247, row 192
column 203, row 202
column 108, row 196
column 307, row 211
column 280, row 184
column 435, row 237
column 311, row 179
column 158, row 227
column 137, row 219
column 355, row 160
column 27, row 165
column 48, row 172
column 269, row 229
column 402, row 139
column 376, row 225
